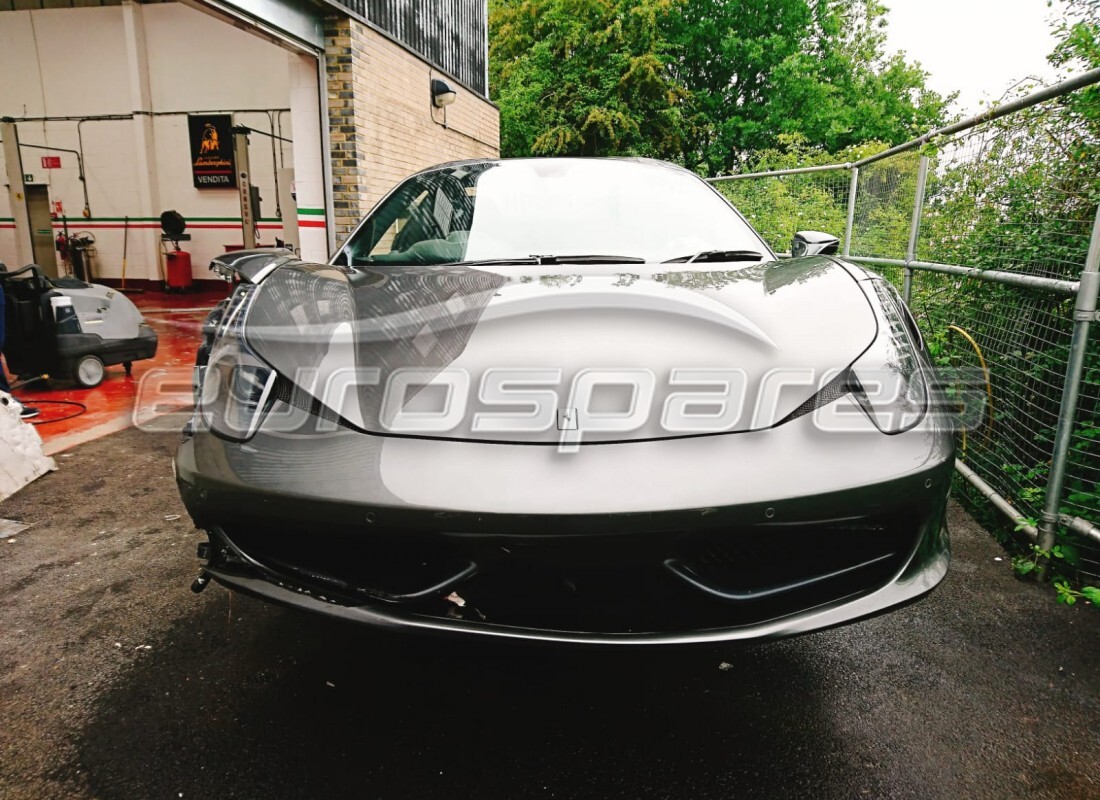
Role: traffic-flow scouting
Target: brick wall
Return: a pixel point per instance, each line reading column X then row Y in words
column 382, row 123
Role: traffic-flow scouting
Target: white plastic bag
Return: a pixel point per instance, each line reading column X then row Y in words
column 21, row 457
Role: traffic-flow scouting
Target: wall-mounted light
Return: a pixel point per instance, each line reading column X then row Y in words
column 442, row 94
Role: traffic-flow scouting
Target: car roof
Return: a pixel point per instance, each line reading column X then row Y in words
column 640, row 160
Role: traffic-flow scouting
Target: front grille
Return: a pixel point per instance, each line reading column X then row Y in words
column 775, row 561
column 621, row 583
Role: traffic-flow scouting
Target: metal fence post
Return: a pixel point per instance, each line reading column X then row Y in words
column 852, row 187
column 1084, row 313
column 914, row 229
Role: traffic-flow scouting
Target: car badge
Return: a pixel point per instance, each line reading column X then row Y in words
column 567, row 419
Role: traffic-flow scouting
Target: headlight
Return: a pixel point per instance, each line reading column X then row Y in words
column 235, row 384
column 889, row 381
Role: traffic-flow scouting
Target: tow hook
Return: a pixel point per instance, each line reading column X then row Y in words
column 200, row 582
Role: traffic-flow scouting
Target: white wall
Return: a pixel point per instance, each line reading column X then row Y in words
column 73, row 62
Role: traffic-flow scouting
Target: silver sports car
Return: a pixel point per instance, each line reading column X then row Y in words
column 576, row 400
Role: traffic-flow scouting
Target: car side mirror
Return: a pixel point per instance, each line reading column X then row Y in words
column 252, row 265
column 814, row 243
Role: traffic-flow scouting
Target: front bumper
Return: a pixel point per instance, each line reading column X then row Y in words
column 916, row 584
column 755, row 570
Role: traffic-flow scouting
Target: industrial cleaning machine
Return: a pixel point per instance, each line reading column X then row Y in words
column 68, row 329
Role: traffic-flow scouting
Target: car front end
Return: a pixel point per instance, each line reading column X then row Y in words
column 671, row 443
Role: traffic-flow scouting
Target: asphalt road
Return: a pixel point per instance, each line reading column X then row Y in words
column 117, row 682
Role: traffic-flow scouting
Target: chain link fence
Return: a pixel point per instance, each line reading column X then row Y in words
column 986, row 227
column 780, row 205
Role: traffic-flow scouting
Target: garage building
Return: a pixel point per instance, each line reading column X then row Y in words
column 115, row 112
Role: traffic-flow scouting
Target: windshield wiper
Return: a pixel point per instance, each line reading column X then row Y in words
column 589, row 259
column 718, row 255
column 544, row 260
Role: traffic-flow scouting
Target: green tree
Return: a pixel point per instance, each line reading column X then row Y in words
column 725, row 55
column 1079, row 46
column 816, row 68
column 582, row 77
column 701, row 82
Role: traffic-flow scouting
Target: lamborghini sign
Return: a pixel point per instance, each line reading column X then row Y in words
column 212, row 164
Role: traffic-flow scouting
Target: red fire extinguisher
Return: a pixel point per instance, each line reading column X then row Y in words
column 61, row 245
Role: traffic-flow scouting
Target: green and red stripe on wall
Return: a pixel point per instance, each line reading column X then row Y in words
column 307, row 218
column 311, row 218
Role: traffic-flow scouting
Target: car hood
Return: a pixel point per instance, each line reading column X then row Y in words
column 583, row 355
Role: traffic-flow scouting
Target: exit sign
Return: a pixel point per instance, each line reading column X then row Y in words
column 51, row 162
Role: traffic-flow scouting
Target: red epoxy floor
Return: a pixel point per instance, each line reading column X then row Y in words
column 157, row 386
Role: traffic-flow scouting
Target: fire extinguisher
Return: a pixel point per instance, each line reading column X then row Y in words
column 61, row 245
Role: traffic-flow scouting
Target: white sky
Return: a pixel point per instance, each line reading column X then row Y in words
column 976, row 47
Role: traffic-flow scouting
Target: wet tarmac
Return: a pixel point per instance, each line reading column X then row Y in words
column 117, row 682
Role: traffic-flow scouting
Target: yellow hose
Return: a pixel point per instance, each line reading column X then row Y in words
column 985, row 373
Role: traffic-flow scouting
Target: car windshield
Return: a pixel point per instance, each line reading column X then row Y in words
column 553, row 208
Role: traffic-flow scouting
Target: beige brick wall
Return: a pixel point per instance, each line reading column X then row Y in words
column 382, row 123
